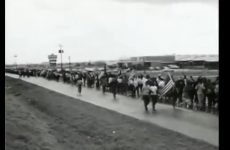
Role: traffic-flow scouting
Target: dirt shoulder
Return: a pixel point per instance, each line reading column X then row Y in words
column 37, row 118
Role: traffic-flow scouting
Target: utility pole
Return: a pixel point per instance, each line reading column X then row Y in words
column 61, row 51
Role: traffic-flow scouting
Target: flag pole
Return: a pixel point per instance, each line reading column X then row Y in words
column 170, row 76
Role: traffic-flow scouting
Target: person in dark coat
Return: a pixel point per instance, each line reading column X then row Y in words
column 210, row 93
column 113, row 86
column 104, row 83
column 27, row 73
column 20, row 73
column 97, row 82
column 216, row 100
column 179, row 87
column 79, row 84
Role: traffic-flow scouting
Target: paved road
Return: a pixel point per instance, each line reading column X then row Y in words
column 197, row 125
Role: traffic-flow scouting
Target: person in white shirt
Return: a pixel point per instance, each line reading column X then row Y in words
column 110, row 79
column 76, row 76
column 144, row 81
column 119, row 84
column 119, row 80
column 131, row 87
column 140, row 83
column 135, row 82
column 161, row 83
column 153, row 94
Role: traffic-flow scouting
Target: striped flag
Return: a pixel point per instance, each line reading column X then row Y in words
column 131, row 74
column 101, row 74
column 167, row 87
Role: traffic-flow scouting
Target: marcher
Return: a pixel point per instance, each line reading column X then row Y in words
column 185, row 89
column 174, row 97
column 79, row 84
column 210, row 95
column 131, row 87
column 119, row 84
column 97, row 82
column 144, row 80
column 145, row 95
column 179, row 87
column 104, row 83
column 216, row 100
column 200, row 94
column 136, row 88
column 153, row 94
column 161, row 85
column 72, row 79
column 27, row 73
column 113, row 86
column 187, row 95
column 20, row 74
column 140, row 84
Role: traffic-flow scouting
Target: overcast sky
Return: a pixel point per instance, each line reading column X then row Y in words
column 109, row 29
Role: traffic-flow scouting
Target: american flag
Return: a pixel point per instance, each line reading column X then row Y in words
column 101, row 74
column 167, row 87
column 132, row 74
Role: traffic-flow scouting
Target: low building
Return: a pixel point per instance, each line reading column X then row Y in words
column 197, row 61
column 147, row 61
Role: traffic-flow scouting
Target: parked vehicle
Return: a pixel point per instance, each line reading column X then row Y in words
column 173, row 66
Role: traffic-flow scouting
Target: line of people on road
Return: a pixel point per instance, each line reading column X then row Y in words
column 201, row 94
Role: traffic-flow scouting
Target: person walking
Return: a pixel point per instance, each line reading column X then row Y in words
column 71, row 79
column 144, row 80
column 180, row 86
column 187, row 95
column 104, row 83
column 210, row 94
column 136, row 88
column 109, row 82
column 20, row 74
column 113, row 86
column 27, row 73
column 97, row 82
column 140, row 83
column 119, row 84
column 200, row 93
column 79, row 84
column 84, row 78
column 145, row 95
column 153, row 94
column 131, row 87
column 216, row 100
column 161, row 85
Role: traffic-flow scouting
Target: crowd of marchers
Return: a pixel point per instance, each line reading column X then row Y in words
column 200, row 94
